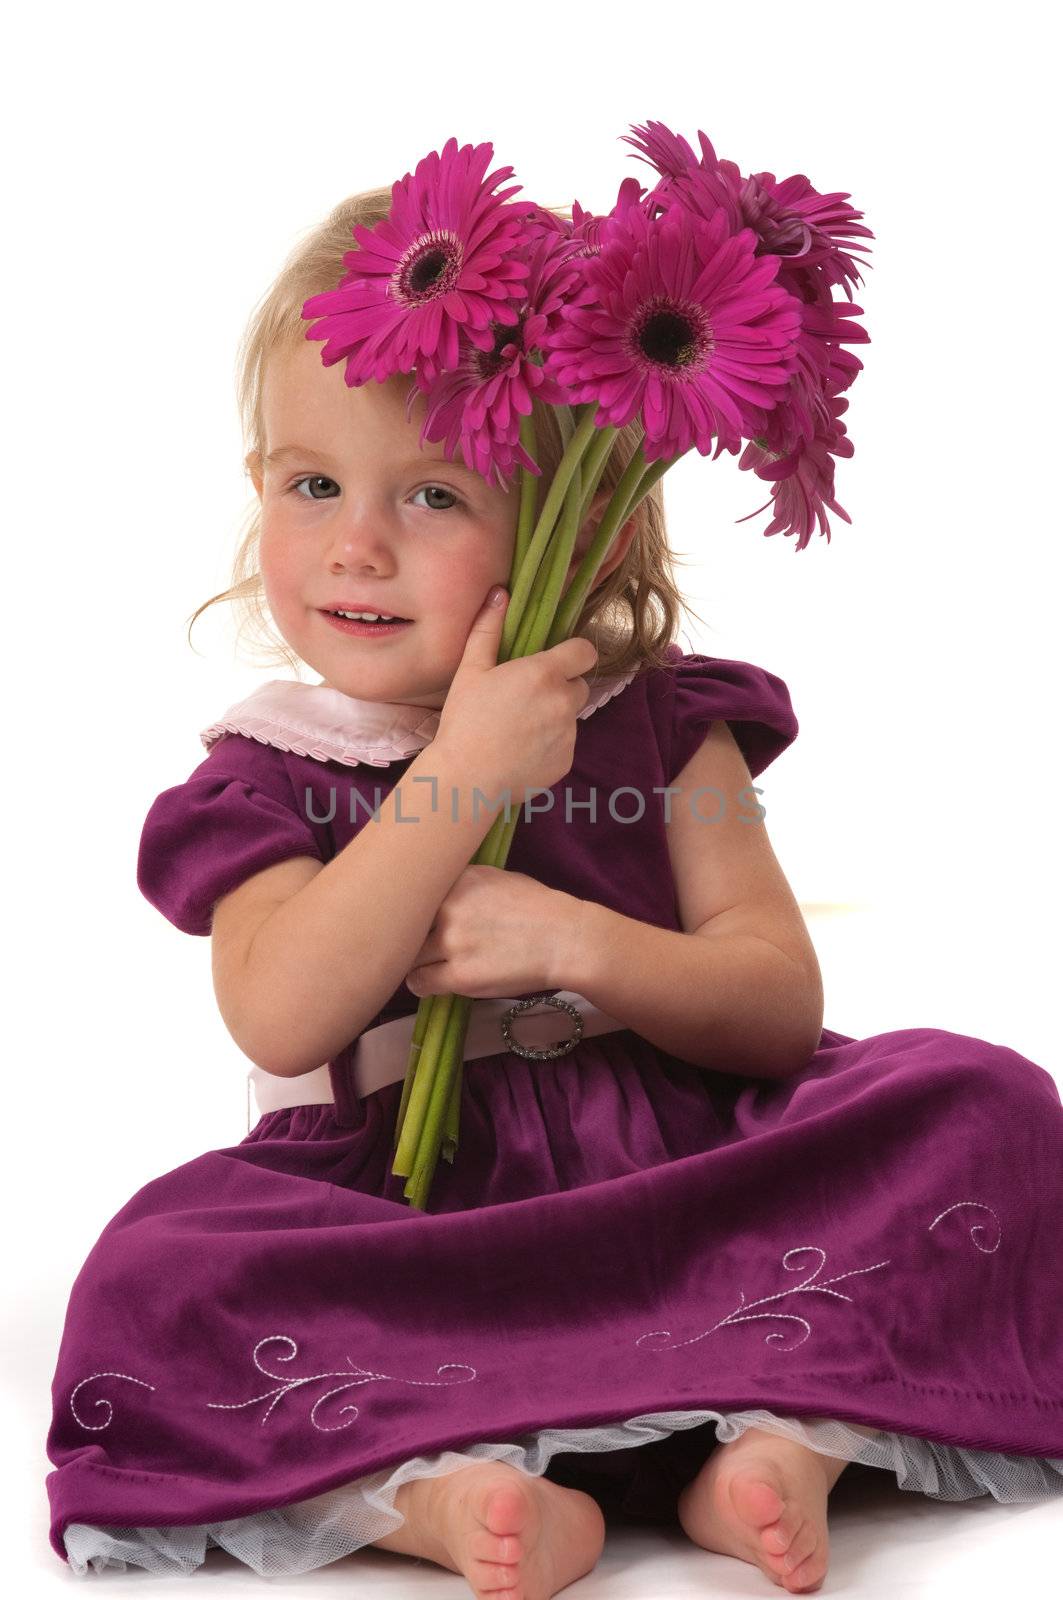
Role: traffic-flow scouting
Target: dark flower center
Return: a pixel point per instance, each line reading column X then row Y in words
column 430, row 268
column 489, row 362
column 425, row 271
column 671, row 337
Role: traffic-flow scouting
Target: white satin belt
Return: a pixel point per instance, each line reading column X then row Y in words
column 382, row 1053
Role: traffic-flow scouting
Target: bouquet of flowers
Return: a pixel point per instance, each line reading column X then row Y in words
column 702, row 306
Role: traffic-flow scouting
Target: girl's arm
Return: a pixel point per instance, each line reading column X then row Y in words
column 739, row 990
column 305, row 955
column 732, row 1002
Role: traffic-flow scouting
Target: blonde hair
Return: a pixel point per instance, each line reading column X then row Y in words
column 631, row 616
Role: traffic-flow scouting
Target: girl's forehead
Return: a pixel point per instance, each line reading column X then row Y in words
column 298, row 390
column 297, row 368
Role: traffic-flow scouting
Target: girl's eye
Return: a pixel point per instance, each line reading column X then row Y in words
column 438, row 488
column 430, row 488
column 316, row 477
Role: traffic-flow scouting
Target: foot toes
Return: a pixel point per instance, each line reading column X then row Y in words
column 802, row 1547
column 807, row 1576
column 792, row 1537
column 491, row 1578
column 494, row 1548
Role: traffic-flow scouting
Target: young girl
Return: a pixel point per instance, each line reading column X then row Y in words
column 695, row 1252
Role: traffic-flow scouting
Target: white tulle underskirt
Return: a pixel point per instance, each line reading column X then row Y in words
column 311, row 1533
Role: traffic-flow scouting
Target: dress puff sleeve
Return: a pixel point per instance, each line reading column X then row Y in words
column 236, row 814
column 752, row 701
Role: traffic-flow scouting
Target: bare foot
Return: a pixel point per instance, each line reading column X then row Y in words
column 512, row 1535
column 763, row 1498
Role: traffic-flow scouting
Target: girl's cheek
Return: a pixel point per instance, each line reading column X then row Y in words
column 278, row 560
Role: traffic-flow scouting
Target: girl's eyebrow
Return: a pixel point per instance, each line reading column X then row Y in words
column 285, row 451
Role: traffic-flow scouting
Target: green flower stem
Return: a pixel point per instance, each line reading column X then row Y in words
column 566, row 423
column 593, row 466
column 450, row 1136
column 525, row 575
column 637, row 481
column 416, row 1043
column 545, row 591
column 431, row 1139
column 554, row 568
column 452, row 1126
column 528, row 495
column 613, row 517
column 422, row 1087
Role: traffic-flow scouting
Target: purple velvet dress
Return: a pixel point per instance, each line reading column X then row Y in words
column 630, row 1259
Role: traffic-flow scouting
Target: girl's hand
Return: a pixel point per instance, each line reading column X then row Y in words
column 497, row 933
column 511, row 725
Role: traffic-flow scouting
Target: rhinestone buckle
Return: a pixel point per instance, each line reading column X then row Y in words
column 560, row 1049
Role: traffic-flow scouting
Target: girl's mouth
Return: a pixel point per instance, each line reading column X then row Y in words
column 367, row 630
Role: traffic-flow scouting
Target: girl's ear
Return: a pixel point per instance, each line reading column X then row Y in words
column 619, row 546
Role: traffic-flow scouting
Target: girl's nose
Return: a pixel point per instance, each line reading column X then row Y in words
column 359, row 535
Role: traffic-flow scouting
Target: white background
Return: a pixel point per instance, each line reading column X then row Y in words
column 160, row 165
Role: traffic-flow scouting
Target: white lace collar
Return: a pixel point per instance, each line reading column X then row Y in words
column 311, row 719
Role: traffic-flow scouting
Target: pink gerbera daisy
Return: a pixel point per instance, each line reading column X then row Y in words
column 790, row 218
column 478, row 405
column 441, row 261
column 803, row 476
column 589, row 229
column 684, row 326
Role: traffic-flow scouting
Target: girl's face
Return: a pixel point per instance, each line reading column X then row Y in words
column 357, row 515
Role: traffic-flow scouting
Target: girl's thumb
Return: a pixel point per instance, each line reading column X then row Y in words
column 481, row 647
